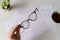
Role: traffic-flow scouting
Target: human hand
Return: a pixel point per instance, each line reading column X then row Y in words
column 14, row 33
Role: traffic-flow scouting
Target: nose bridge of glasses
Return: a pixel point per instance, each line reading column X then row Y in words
column 28, row 19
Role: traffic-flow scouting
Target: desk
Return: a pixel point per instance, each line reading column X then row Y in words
column 6, row 16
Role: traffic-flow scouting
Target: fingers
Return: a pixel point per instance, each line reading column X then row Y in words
column 13, row 30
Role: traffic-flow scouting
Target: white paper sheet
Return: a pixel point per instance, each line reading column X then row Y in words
column 37, row 27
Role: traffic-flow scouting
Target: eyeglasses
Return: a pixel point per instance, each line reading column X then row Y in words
column 32, row 17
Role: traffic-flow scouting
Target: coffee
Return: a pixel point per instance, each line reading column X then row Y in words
column 56, row 17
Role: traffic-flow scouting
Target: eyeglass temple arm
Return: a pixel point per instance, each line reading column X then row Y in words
column 35, row 10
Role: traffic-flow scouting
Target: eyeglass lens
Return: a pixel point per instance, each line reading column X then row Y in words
column 33, row 17
column 25, row 24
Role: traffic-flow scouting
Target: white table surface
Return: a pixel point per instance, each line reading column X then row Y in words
column 43, row 24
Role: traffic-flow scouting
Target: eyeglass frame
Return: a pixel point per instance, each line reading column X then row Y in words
column 29, row 19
